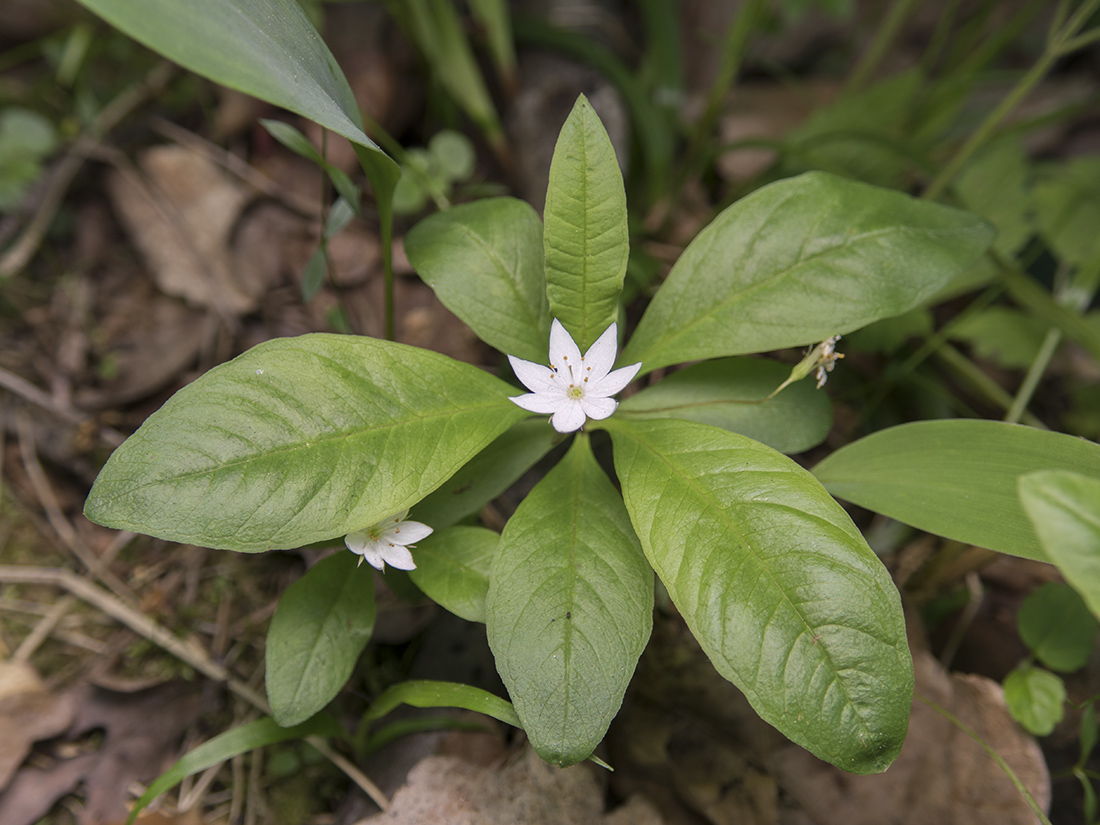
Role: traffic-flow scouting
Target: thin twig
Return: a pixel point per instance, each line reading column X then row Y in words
column 43, row 629
column 40, row 398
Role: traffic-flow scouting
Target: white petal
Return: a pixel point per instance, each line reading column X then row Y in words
column 535, row 377
column 614, row 382
column 374, row 556
column 408, row 532
column 564, row 353
column 600, row 357
column 541, row 402
column 356, row 542
column 598, row 408
column 568, row 418
column 397, row 556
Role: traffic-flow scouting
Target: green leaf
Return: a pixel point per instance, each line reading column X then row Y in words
column 313, row 276
column 431, row 694
column 1067, row 207
column 452, row 568
column 322, row 623
column 801, row 260
column 1036, row 699
column 1002, row 335
column 776, row 584
column 1064, row 509
column 586, row 238
column 452, row 154
column 264, row 48
column 955, row 478
column 570, row 607
column 1057, row 627
column 292, row 139
column 488, row 474
column 994, row 184
column 726, row 393
column 484, row 261
column 238, row 740
column 300, row 440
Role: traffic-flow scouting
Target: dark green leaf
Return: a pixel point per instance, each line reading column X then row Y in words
column 430, row 694
column 322, row 623
column 1056, row 625
column 313, row 276
column 452, row 568
column 955, row 478
column 570, row 607
column 726, row 393
column 776, row 584
column 300, row 440
column 801, row 260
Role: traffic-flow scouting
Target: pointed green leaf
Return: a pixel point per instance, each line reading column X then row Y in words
column 1036, row 698
column 484, row 261
column 322, row 623
column 801, row 260
column 264, row 48
column 300, row 440
column 1064, row 510
column 488, row 474
column 776, row 584
column 586, row 237
column 955, row 478
column 452, row 568
column 1056, row 625
column 238, row 740
column 570, row 607
column 727, row 393
column 426, row 693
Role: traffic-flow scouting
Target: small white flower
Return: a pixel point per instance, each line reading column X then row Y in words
column 388, row 542
column 574, row 387
column 827, row 356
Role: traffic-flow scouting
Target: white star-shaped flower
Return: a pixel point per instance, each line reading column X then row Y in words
column 388, row 542
column 574, row 387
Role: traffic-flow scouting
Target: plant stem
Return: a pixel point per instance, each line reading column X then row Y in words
column 884, row 38
column 981, row 383
column 1034, row 375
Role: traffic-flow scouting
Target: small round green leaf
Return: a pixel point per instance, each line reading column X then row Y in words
column 1057, row 626
column 1036, row 698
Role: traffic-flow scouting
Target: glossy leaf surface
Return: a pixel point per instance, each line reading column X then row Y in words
column 955, row 478
column 570, row 607
column 776, row 584
column 485, row 262
column 322, row 623
column 300, row 440
column 726, row 393
column 586, row 239
column 798, row 261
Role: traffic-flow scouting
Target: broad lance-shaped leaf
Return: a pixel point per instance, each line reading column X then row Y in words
column 801, row 260
column 570, row 607
column 322, row 623
column 485, row 262
column 955, row 478
column 727, row 393
column 1064, row 509
column 300, row 440
column 776, row 584
column 586, row 238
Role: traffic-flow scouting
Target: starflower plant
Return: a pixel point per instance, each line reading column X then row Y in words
column 388, row 542
column 305, row 440
column 574, row 387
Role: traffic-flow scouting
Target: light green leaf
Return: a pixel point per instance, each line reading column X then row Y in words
column 264, row 48
column 238, row 740
column 725, row 393
column 1036, row 698
column 994, row 184
column 955, row 478
column 1056, row 625
column 801, row 260
column 570, row 607
column 776, row 584
column 292, row 139
column 300, row 440
column 1002, row 335
column 488, row 474
column 431, row 694
column 1064, row 509
column 322, row 623
column 586, row 238
column 452, row 568
column 484, row 261
column 1067, row 206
